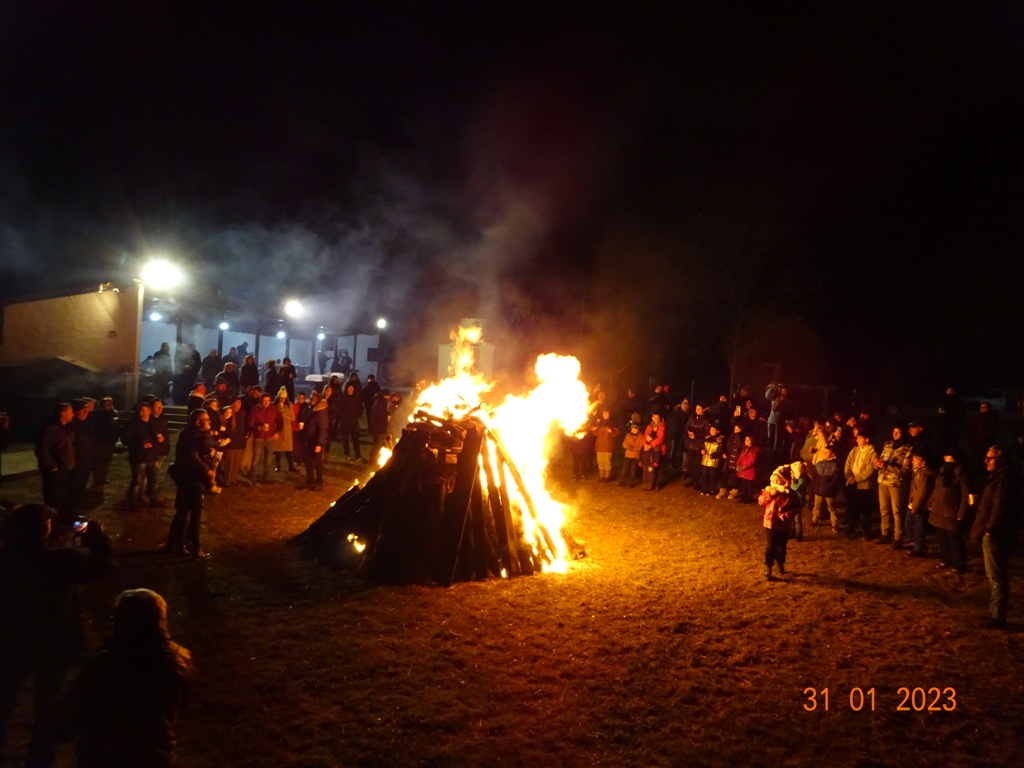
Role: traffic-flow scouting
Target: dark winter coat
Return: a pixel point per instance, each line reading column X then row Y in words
column 699, row 426
column 349, row 408
column 998, row 508
column 949, row 499
column 85, row 443
column 190, row 457
column 55, row 448
column 317, row 430
column 380, row 415
column 828, row 478
column 124, row 704
column 140, row 438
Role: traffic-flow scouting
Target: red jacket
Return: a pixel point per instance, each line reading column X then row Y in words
column 778, row 507
column 265, row 423
column 655, row 437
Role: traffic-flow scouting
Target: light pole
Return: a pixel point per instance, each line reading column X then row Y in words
column 382, row 323
column 161, row 276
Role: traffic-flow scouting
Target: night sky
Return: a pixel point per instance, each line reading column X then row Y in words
column 833, row 187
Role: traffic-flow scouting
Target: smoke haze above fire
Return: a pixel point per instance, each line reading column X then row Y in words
column 575, row 179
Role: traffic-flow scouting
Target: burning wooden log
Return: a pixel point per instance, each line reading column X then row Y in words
column 438, row 510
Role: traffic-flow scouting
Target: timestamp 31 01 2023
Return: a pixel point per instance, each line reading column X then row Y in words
column 905, row 699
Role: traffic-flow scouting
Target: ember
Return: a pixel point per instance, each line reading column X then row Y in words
column 463, row 495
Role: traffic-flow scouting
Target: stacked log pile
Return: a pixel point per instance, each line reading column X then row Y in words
column 438, row 511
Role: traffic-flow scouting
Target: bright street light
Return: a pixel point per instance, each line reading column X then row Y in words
column 224, row 326
column 382, row 323
column 280, row 334
column 162, row 275
column 321, row 336
column 154, row 316
column 294, row 308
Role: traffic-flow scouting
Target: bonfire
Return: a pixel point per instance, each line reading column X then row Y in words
column 464, row 494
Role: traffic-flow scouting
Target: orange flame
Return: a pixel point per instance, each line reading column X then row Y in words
column 527, row 424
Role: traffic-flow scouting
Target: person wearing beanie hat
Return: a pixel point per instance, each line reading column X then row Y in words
column 285, row 442
column 779, row 505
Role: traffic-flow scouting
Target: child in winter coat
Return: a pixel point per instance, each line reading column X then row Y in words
column 799, row 486
column 710, row 458
column 652, row 448
column 827, row 479
column 729, row 482
column 604, row 432
column 921, row 487
column 630, row 474
column 746, row 471
column 779, row 505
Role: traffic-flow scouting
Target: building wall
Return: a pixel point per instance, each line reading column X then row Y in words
column 97, row 329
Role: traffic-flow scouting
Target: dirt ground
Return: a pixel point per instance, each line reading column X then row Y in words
column 664, row 647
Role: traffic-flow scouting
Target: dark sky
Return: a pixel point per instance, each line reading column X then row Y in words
column 839, row 185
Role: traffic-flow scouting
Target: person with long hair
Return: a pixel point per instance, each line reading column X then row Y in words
column 124, row 705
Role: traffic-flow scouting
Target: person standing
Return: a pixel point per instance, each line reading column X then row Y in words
column 995, row 526
column 948, row 507
column 265, row 423
column 894, row 476
column 921, row 486
column 210, row 367
column 288, row 374
column 300, row 409
column 125, row 702
column 81, row 428
column 369, row 395
column 825, row 485
column 605, row 432
column 861, row 482
column 163, row 368
column 248, row 374
column 652, row 449
column 285, row 443
column 55, row 454
column 162, row 431
column 108, row 430
column 236, row 432
column 779, row 505
column 629, row 476
column 193, row 476
column 316, row 437
column 139, row 437
column 349, row 408
column 41, row 633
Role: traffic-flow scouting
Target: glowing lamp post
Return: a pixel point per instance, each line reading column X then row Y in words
column 162, row 275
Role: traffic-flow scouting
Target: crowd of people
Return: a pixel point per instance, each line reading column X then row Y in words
column 243, row 428
column 900, row 484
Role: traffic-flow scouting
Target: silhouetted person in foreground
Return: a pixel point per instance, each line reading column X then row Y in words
column 125, row 703
column 41, row 631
